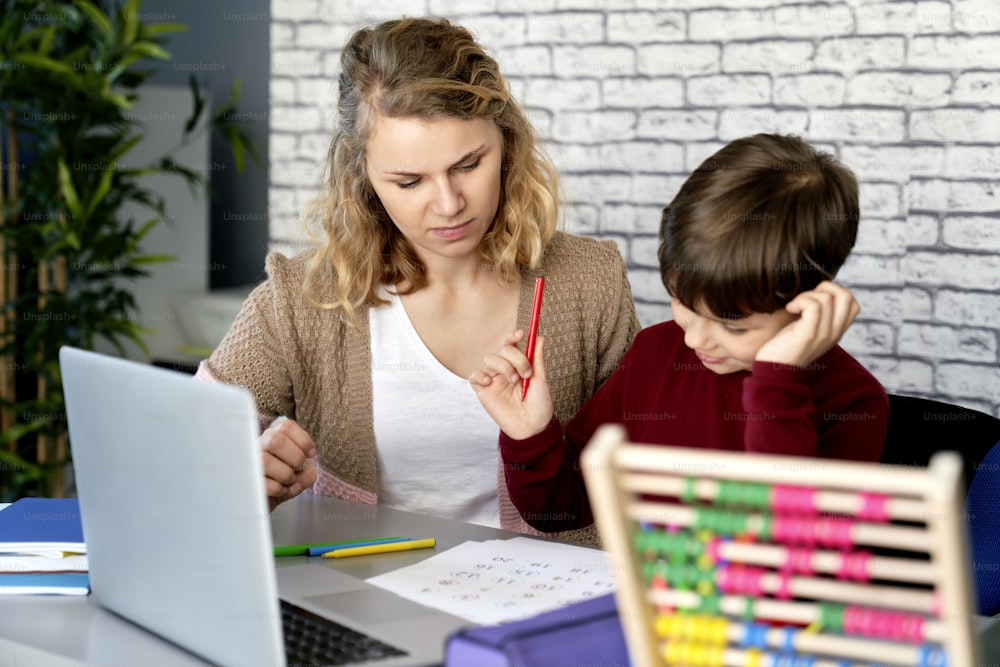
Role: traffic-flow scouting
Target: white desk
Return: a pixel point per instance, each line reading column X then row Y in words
column 63, row 631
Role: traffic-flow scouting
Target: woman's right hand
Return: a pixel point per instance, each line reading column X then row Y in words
column 289, row 461
column 498, row 386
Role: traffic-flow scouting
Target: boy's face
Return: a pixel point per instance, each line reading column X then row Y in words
column 727, row 345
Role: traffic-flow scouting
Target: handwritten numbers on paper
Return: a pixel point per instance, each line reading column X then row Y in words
column 503, row 580
column 545, row 587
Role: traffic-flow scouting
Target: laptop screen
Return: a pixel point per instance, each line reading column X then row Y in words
column 172, row 500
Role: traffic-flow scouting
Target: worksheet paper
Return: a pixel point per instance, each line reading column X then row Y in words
column 498, row 581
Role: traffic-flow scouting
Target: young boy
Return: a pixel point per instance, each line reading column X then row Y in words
column 749, row 248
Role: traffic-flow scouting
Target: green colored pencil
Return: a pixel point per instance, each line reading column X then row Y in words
column 303, row 549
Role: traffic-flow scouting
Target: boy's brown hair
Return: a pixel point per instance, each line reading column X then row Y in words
column 763, row 219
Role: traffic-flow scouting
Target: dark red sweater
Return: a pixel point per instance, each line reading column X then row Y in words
column 663, row 394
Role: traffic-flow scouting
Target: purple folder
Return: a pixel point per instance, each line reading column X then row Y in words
column 587, row 632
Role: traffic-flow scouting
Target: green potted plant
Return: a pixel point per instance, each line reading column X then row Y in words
column 69, row 73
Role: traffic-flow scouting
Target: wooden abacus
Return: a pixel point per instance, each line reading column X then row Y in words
column 728, row 559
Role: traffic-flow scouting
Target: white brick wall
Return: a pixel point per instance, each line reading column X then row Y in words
column 633, row 94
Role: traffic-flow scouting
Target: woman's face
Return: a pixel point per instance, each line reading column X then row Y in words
column 439, row 180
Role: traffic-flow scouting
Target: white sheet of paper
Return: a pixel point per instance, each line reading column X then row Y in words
column 503, row 580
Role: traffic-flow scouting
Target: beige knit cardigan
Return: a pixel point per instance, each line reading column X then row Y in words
column 312, row 366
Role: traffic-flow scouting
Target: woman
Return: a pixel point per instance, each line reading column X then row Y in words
column 439, row 211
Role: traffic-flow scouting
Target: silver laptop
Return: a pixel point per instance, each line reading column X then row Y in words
column 172, row 499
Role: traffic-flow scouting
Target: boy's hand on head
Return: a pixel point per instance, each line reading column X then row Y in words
column 824, row 314
column 498, row 385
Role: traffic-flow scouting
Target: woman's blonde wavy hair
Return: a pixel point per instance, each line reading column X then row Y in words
column 426, row 68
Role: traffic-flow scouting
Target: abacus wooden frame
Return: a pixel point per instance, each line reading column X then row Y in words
column 610, row 461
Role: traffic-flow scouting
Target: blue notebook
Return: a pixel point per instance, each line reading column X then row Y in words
column 41, row 525
column 45, row 583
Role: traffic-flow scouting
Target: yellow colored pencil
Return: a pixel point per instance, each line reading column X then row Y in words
column 381, row 548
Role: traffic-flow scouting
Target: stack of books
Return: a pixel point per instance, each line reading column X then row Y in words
column 41, row 548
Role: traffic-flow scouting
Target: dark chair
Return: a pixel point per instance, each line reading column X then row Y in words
column 983, row 506
column 918, row 427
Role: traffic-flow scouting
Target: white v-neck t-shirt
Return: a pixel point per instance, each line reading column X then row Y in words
column 436, row 445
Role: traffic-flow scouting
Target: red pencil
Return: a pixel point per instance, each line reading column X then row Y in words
column 536, row 311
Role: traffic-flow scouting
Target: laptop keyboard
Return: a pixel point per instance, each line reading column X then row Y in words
column 313, row 640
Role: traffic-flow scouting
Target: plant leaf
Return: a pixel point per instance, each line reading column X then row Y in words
column 103, row 186
column 149, row 50
column 125, row 147
column 44, row 62
column 195, row 351
column 16, row 462
column 96, row 16
column 118, row 100
column 236, row 142
column 131, row 13
column 45, row 45
column 139, row 171
column 152, row 259
column 73, row 241
column 153, row 29
column 234, row 96
column 138, row 234
column 15, row 432
column 69, row 191
column 199, row 104
column 122, row 67
column 192, row 177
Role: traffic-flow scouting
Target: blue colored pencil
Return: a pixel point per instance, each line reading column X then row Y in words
column 319, row 551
